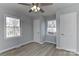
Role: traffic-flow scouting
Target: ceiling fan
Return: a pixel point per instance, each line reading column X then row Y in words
column 36, row 6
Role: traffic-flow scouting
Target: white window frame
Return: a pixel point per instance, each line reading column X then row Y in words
column 14, row 27
column 54, row 33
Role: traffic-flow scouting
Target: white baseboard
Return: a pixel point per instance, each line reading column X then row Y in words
column 39, row 42
column 58, row 47
column 68, row 50
column 23, row 44
column 77, row 52
column 15, row 46
column 50, row 42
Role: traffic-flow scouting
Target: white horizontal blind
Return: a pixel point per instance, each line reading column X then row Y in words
column 12, row 27
column 51, row 27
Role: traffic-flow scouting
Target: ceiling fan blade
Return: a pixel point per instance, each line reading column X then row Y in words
column 30, row 11
column 46, row 4
column 27, row 4
column 33, row 3
column 42, row 10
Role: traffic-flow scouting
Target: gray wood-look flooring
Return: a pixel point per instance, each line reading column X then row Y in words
column 36, row 49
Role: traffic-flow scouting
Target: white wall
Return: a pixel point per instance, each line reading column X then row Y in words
column 26, row 29
column 63, row 10
column 49, row 38
column 42, row 29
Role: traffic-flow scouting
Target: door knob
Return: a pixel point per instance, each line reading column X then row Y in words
column 62, row 34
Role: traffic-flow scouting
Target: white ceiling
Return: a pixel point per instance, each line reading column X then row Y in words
column 49, row 10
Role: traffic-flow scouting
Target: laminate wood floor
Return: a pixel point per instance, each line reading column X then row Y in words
column 36, row 49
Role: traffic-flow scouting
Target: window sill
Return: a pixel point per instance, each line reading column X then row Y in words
column 51, row 35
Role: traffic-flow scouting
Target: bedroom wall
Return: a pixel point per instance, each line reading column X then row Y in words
column 26, row 29
column 49, row 38
column 74, row 8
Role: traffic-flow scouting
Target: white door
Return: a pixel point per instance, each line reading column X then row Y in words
column 36, row 30
column 68, row 31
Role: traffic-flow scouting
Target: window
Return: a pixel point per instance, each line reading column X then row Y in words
column 51, row 27
column 12, row 27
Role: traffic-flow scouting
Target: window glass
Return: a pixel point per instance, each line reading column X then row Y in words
column 12, row 27
column 51, row 27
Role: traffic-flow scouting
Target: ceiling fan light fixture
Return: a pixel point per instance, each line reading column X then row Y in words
column 38, row 8
column 35, row 8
